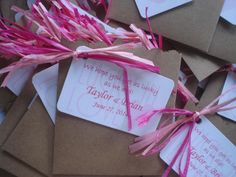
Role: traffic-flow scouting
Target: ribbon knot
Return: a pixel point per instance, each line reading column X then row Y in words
column 196, row 117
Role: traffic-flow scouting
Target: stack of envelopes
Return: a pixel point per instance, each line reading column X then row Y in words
column 69, row 119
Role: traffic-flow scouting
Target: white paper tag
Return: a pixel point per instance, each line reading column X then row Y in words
column 19, row 78
column 93, row 90
column 229, row 82
column 229, row 11
column 45, row 83
column 157, row 6
column 212, row 154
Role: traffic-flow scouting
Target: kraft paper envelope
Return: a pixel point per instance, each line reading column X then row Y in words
column 192, row 24
column 85, row 148
column 14, row 115
column 224, row 41
column 34, row 134
column 202, row 65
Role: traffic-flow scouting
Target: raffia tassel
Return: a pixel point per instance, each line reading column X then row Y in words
column 152, row 143
column 64, row 21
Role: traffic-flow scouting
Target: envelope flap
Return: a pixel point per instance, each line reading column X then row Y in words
column 14, row 115
column 34, row 133
column 19, row 106
column 201, row 64
column 224, row 42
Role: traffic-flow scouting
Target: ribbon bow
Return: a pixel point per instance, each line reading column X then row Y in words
column 154, row 142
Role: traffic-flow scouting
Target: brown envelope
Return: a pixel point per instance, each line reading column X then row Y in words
column 202, row 65
column 85, row 148
column 14, row 115
column 192, row 24
column 224, row 41
column 34, row 134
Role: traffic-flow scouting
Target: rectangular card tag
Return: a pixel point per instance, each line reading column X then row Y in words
column 94, row 91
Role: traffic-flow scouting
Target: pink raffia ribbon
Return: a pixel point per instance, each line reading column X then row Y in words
column 185, row 94
column 160, row 39
column 64, row 21
column 150, row 29
column 154, row 142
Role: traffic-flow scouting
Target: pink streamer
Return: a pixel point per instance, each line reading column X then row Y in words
column 150, row 29
column 63, row 21
column 160, row 39
column 185, row 94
